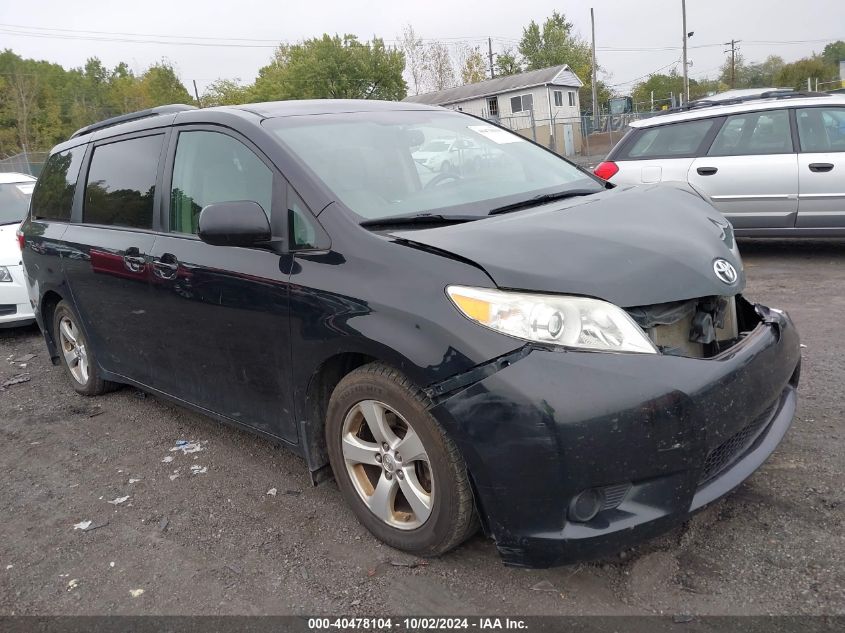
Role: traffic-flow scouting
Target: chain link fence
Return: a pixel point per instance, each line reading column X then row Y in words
column 585, row 140
column 24, row 163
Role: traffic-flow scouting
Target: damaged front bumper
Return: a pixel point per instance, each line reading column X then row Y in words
column 657, row 436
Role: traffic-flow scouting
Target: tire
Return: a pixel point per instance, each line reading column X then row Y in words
column 366, row 473
column 445, row 167
column 76, row 355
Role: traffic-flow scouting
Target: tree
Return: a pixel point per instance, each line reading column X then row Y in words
column 554, row 44
column 41, row 103
column 414, row 49
column 225, row 92
column 814, row 68
column 332, row 67
column 473, row 66
column 161, row 86
column 663, row 86
column 834, row 53
column 439, row 71
column 751, row 75
column 507, row 63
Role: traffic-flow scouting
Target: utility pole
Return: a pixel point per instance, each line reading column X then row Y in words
column 490, row 56
column 733, row 49
column 197, row 94
column 686, row 37
column 595, row 86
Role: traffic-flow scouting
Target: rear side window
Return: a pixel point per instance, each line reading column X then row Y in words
column 754, row 133
column 821, row 129
column 121, row 183
column 676, row 140
column 211, row 167
column 53, row 195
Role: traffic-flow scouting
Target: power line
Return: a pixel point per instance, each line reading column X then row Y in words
column 653, row 72
column 249, row 42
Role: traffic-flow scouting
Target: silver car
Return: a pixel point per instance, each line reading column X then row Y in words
column 774, row 166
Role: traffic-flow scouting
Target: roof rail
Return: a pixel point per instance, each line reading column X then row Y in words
column 133, row 116
column 770, row 94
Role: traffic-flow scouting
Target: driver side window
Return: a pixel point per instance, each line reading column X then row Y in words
column 211, row 167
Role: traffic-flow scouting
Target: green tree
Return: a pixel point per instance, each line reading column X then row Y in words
column 160, row 86
column 225, row 92
column 663, row 86
column 752, row 75
column 332, row 67
column 473, row 66
column 507, row 63
column 796, row 74
column 554, row 44
column 42, row 103
column 834, row 52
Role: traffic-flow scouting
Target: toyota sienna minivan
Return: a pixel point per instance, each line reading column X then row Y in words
column 510, row 344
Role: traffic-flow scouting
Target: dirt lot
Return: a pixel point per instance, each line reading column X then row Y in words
column 214, row 541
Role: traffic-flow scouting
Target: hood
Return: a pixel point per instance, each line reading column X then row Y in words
column 631, row 246
column 10, row 253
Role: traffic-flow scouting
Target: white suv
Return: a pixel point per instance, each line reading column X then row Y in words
column 773, row 164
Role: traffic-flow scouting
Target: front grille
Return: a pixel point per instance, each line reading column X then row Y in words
column 7, row 309
column 735, row 446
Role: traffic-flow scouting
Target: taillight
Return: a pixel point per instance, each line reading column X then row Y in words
column 21, row 239
column 606, row 170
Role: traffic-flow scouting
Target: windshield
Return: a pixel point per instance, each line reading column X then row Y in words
column 397, row 163
column 435, row 146
column 14, row 201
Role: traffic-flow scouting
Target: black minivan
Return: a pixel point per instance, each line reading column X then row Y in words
column 497, row 339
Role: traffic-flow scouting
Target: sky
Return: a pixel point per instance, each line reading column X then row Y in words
column 237, row 38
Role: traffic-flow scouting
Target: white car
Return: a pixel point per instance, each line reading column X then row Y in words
column 448, row 155
column 15, row 192
column 773, row 164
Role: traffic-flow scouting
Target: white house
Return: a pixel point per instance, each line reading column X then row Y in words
column 541, row 104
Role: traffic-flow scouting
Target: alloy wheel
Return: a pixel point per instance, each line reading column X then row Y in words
column 387, row 464
column 73, row 349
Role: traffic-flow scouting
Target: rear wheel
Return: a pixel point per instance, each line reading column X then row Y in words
column 403, row 477
column 76, row 355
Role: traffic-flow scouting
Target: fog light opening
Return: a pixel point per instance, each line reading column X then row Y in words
column 586, row 505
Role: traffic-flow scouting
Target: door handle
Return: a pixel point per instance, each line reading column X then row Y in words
column 706, row 171
column 821, row 167
column 133, row 260
column 166, row 267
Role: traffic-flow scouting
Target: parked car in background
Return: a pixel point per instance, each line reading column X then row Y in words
column 773, row 164
column 571, row 367
column 448, row 154
column 15, row 193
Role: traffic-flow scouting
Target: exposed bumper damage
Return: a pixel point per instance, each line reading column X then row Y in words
column 653, row 437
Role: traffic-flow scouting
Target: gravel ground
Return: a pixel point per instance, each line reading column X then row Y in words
column 214, row 542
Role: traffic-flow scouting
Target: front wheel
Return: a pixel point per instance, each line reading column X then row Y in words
column 76, row 355
column 403, row 477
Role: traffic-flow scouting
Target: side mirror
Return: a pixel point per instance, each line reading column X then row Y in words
column 239, row 223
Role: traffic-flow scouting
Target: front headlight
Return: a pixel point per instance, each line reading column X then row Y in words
column 5, row 275
column 554, row 319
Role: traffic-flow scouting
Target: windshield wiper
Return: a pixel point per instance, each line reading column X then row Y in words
column 419, row 219
column 542, row 199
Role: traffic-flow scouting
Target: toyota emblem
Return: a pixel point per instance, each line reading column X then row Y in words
column 725, row 271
